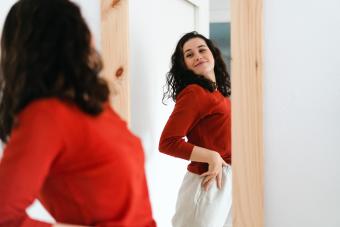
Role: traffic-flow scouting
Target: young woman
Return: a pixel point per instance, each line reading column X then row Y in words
column 199, row 84
column 64, row 143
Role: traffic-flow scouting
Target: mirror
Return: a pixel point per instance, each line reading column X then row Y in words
column 152, row 38
column 156, row 41
column 219, row 28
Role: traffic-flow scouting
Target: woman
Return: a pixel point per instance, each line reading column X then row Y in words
column 64, row 144
column 199, row 84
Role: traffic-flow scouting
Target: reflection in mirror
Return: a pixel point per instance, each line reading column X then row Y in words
column 153, row 37
column 219, row 28
column 220, row 35
column 156, row 42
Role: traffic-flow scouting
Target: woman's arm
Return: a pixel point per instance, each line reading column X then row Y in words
column 200, row 154
column 34, row 144
column 187, row 112
column 215, row 161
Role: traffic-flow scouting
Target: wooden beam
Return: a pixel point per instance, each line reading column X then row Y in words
column 247, row 123
column 115, row 53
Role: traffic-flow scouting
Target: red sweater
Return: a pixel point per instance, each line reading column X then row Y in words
column 204, row 118
column 85, row 170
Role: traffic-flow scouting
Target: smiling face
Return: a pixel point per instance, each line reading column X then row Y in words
column 198, row 58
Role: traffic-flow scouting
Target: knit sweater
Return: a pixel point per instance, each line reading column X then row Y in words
column 203, row 118
column 85, row 170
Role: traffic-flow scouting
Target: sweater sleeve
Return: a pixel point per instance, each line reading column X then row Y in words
column 33, row 145
column 186, row 114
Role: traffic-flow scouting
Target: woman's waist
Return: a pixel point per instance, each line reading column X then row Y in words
column 220, row 145
column 202, row 167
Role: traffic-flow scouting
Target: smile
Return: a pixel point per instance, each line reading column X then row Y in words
column 200, row 63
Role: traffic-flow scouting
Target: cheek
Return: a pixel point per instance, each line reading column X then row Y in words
column 187, row 63
column 212, row 60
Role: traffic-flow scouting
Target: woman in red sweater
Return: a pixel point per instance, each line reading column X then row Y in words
column 199, row 84
column 63, row 142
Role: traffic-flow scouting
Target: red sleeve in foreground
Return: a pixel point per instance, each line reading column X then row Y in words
column 33, row 145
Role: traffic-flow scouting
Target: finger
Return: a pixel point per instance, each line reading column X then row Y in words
column 207, row 184
column 208, row 173
column 219, row 180
column 206, row 187
column 207, row 179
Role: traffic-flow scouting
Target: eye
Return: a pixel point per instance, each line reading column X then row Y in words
column 188, row 55
column 202, row 50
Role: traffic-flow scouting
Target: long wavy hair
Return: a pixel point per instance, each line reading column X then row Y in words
column 46, row 51
column 180, row 76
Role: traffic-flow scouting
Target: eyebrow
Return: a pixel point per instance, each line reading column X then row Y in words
column 198, row 47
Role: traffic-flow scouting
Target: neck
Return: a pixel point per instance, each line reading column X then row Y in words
column 211, row 76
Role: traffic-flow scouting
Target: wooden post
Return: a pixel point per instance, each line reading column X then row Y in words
column 247, row 129
column 115, row 53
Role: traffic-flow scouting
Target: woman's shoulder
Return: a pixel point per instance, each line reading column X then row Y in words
column 47, row 106
column 193, row 89
column 46, row 103
column 195, row 96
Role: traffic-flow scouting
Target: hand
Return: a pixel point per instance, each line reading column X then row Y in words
column 216, row 165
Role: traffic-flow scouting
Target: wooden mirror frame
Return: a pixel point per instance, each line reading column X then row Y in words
column 247, row 112
column 246, row 71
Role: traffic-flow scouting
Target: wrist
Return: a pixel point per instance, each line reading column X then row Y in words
column 200, row 154
column 213, row 157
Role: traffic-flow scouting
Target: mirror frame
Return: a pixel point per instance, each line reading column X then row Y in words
column 247, row 100
column 247, row 112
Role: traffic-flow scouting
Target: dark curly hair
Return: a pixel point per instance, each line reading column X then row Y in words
column 179, row 76
column 46, row 51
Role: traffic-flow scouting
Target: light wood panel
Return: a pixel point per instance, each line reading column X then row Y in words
column 247, row 129
column 114, row 50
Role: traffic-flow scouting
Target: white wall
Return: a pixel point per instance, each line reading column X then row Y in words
column 219, row 11
column 155, row 28
column 4, row 8
column 91, row 12
column 302, row 113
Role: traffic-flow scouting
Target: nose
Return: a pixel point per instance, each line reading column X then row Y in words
column 198, row 57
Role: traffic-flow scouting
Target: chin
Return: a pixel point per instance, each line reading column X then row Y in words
column 203, row 74
column 200, row 72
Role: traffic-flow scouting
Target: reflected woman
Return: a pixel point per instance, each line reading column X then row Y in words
column 64, row 143
column 199, row 84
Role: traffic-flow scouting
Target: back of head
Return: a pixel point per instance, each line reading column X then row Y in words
column 46, row 52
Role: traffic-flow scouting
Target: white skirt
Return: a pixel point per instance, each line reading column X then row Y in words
column 197, row 208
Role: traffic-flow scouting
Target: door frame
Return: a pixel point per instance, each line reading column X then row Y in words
column 201, row 16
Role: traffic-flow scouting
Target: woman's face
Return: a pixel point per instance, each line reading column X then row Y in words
column 198, row 58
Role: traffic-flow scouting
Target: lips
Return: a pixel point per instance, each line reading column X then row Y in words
column 200, row 63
